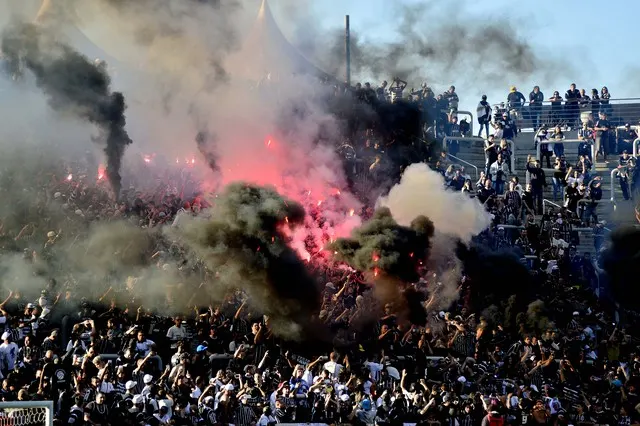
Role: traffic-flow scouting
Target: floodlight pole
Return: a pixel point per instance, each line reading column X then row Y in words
column 347, row 48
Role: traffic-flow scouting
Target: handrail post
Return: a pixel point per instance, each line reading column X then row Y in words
column 635, row 147
column 612, row 192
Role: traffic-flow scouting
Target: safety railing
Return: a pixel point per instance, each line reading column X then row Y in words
column 460, row 160
column 635, row 147
column 598, row 202
column 612, row 191
column 512, row 146
column 621, row 110
column 563, row 141
column 544, row 205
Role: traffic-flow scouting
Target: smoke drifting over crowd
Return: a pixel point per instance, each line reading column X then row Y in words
column 72, row 83
column 420, row 192
column 381, row 246
column 245, row 243
column 269, row 144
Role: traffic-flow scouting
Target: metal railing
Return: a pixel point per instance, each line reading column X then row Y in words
column 482, row 140
column 620, row 111
column 465, row 162
column 564, row 141
column 635, row 147
column 545, row 202
column 612, row 192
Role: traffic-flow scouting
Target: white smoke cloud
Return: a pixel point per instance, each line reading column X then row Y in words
column 421, row 191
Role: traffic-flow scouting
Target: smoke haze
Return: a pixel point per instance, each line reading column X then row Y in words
column 421, row 192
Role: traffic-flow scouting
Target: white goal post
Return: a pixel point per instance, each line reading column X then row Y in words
column 26, row 413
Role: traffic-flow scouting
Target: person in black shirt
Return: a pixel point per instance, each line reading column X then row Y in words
column 535, row 107
column 572, row 108
column 626, row 138
column 594, row 193
column 537, row 182
column 484, row 115
column 602, row 129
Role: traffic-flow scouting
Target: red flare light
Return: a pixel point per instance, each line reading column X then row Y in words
column 286, row 219
column 351, row 212
column 177, row 161
column 273, row 239
column 411, row 255
column 268, row 143
column 375, row 257
column 309, row 193
column 147, row 159
column 375, row 272
column 193, row 161
column 101, row 172
column 336, row 191
column 319, row 202
column 69, row 177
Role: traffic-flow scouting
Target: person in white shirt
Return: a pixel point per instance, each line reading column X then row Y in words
column 8, row 353
column 267, row 417
column 332, row 366
column 176, row 333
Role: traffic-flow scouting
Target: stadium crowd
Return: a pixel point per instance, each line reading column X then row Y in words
column 553, row 353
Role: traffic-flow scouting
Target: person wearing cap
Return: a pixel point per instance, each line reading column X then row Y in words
column 8, row 353
column 484, row 115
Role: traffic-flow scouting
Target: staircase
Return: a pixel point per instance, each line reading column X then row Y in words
column 472, row 151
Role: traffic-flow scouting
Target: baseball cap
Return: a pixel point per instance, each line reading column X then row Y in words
column 130, row 385
column 148, row 378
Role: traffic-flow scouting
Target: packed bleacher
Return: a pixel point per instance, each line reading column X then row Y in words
column 550, row 350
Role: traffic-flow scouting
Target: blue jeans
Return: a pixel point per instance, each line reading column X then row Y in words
column 499, row 187
column 558, row 187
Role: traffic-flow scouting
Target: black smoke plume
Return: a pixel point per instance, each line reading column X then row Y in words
column 392, row 254
column 439, row 40
column 381, row 245
column 244, row 243
column 72, row 83
column 622, row 253
column 206, row 145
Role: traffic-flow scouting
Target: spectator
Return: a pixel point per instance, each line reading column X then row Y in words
column 602, row 129
column 556, row 109
column 572, row 108
column 536, row 97
column 484, row 115
column 451, row 97
column 604, row 101
column 558, row 135
column 537, row 181
column 499, row 172
column 381, row 92
column 595, row 102
column 626, row 139
column 397, row 89
column 586, row 136
column 559, row 174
